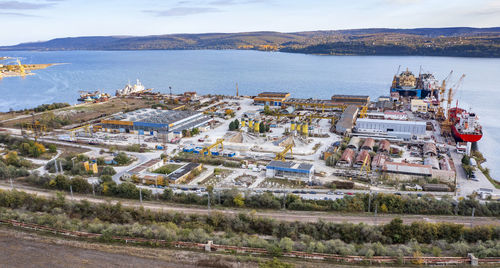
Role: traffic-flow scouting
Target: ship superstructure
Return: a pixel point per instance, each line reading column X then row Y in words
column 131, row 89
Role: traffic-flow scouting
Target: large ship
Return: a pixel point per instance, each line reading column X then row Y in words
column 406, row 84
column 129, row 89
column 465, row 125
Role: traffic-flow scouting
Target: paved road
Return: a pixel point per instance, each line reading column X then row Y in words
column 302, row 216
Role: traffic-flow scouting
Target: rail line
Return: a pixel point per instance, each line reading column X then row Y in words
column 257, row 251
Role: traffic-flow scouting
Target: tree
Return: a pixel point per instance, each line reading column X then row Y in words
column 108, row 171
column 286, row 244
column 52, row 148
column 12, row 158
column 38, row 149
column 232, row 126
column 121, row 159
column 262, row 127
column 167, row 194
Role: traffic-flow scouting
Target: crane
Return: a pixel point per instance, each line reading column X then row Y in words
column 281, row 155
column 366, row 165
column 442, row 91
column 445, row 128
column 21, row 68
column 208, row 148
column 362, row 113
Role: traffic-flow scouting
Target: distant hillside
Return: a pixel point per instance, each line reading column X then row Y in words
column 459, row 41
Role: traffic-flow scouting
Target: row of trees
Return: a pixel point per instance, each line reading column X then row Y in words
column 382, row 203
column 247, row 230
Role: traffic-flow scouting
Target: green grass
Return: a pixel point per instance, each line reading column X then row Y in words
column 167, row 169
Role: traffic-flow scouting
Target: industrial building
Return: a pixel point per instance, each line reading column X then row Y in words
column 183, row 173
column 154, row 120
column 406, row 130
column 351, row 100
column 418, row 105
column 347, row 158
column 271, row 98
column 290, row 170
column 346, row 121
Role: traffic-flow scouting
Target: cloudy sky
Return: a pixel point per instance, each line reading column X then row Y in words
column 36, row 20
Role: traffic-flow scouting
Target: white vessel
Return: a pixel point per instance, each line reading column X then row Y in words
column 129, row 89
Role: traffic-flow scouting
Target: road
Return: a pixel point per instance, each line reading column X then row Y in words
column 284, row 215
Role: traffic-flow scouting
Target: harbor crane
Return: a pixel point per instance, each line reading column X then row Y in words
column 210, row 147
column 21, row 68
column 442, row 91
column 36, row 127
column 364, row 110
column 366, row 166
column 446, row 125
column 281, row 155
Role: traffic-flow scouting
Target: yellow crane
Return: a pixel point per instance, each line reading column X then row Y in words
column 208, row 148
column 442, row 91
column 281, row 155
column 362, row 113
column 21, row 68
column 366, row 165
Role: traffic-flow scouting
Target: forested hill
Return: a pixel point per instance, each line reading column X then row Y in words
column 459, row 41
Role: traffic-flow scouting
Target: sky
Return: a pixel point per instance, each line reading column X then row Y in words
column 40, row 20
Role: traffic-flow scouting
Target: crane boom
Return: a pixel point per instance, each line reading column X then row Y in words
column 281, row 155
column 208, row 148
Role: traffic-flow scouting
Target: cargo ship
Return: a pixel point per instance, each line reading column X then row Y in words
column 465, row 125
column 406, row 84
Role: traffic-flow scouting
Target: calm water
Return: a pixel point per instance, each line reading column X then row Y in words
column 218, row 72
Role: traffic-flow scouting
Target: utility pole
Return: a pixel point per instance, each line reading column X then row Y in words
column 170, row 94
column 369, row 201
column 472, row 219
column 60, row 167
column 93, row 190
column 140, row 194
column 208, row 203
column 71, row 190
column 11, row 184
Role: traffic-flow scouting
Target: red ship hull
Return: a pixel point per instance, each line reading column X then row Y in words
column 465, row 137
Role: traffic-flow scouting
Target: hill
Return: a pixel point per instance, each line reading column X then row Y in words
column 458, row 41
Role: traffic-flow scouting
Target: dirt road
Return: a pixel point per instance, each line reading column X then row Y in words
column 285, row 215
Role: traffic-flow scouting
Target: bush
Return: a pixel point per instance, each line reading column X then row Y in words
column 108, row 171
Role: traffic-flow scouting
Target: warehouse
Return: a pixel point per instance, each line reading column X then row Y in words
column 149, row 120
column 346, row 122
column 271, row 98
column 351, row 100
column 290, row 170
column 185, row 173
column 406, row 130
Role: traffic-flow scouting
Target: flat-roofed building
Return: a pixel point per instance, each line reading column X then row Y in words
column 290, row 170
column 271, row 98
column 184, row 173
column 402, row 129
column 351, row 99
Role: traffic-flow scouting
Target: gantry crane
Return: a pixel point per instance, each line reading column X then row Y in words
column 208, row 148
column 281, row 155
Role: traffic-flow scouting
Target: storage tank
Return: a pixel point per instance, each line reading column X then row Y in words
column 292, row 126
column 250, row 123
column 243, row 123
column 256, row 126
column 305, row 129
